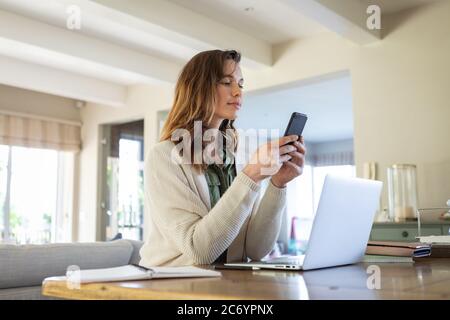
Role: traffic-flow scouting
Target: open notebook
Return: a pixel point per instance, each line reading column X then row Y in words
column 134, row 272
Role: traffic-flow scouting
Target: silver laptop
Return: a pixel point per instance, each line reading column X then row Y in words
column 340, row 230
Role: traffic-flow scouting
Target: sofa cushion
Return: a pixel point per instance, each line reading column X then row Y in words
column 29, row 265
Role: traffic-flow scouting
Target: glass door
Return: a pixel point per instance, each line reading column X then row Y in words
column 123, row 203
column 5, row 189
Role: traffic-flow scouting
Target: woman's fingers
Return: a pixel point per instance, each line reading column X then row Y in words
column 287, row 139
column 286, row 149
column 270, row 157
column 297, row 158
column 295, row 167
column 285, row 158
column 300, row 147
column 293, row 140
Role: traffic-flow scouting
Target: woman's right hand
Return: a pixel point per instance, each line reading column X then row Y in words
column 268, row 159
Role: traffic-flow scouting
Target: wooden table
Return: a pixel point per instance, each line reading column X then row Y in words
column 426, row 279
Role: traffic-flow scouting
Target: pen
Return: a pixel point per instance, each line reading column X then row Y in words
column 235, row 267
column 147, row 270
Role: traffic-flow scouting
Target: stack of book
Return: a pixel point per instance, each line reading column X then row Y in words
column 394, row 251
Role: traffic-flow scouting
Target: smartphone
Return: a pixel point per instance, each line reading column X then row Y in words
column 296, row 124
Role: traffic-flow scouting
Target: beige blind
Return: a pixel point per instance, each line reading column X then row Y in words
column 333, row 159
column 39, row 132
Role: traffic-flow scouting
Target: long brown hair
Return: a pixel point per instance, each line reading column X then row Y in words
column 195, row 96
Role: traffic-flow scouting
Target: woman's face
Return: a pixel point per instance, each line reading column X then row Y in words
column 229, row 94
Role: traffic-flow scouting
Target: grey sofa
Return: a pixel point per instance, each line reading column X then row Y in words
column 24, row 267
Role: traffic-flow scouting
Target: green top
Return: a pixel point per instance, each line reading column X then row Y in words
column 219, row 179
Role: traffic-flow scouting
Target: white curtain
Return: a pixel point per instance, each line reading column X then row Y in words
column 37, row 132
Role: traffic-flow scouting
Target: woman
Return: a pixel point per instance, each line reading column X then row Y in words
column 203, row 212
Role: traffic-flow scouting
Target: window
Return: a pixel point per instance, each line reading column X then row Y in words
column 35, row 195
column 320, row 174
column 300, row 195
column 303, row 195
column 4, row 205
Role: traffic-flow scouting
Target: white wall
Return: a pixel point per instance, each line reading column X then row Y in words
column 400, row 92
column 37, row 103
column 400, row 100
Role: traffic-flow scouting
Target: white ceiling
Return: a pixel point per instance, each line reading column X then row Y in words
column 394, row 6
column 123, row 43
column 269, row 20
column 327, row 103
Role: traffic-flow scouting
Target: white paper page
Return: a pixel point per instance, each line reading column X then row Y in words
column 131, row 272
column 122, row 273
column 177, row 272
column 435, row 239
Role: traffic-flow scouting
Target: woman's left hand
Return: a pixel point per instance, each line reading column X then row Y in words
column 292, row 168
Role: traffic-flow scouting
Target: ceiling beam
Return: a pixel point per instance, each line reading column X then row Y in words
column 52, row 81
column 190, row 30
column 83, row 51
column 347, row 18
column 158, row 27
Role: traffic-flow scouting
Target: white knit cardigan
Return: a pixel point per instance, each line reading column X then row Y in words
column 184, row 230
